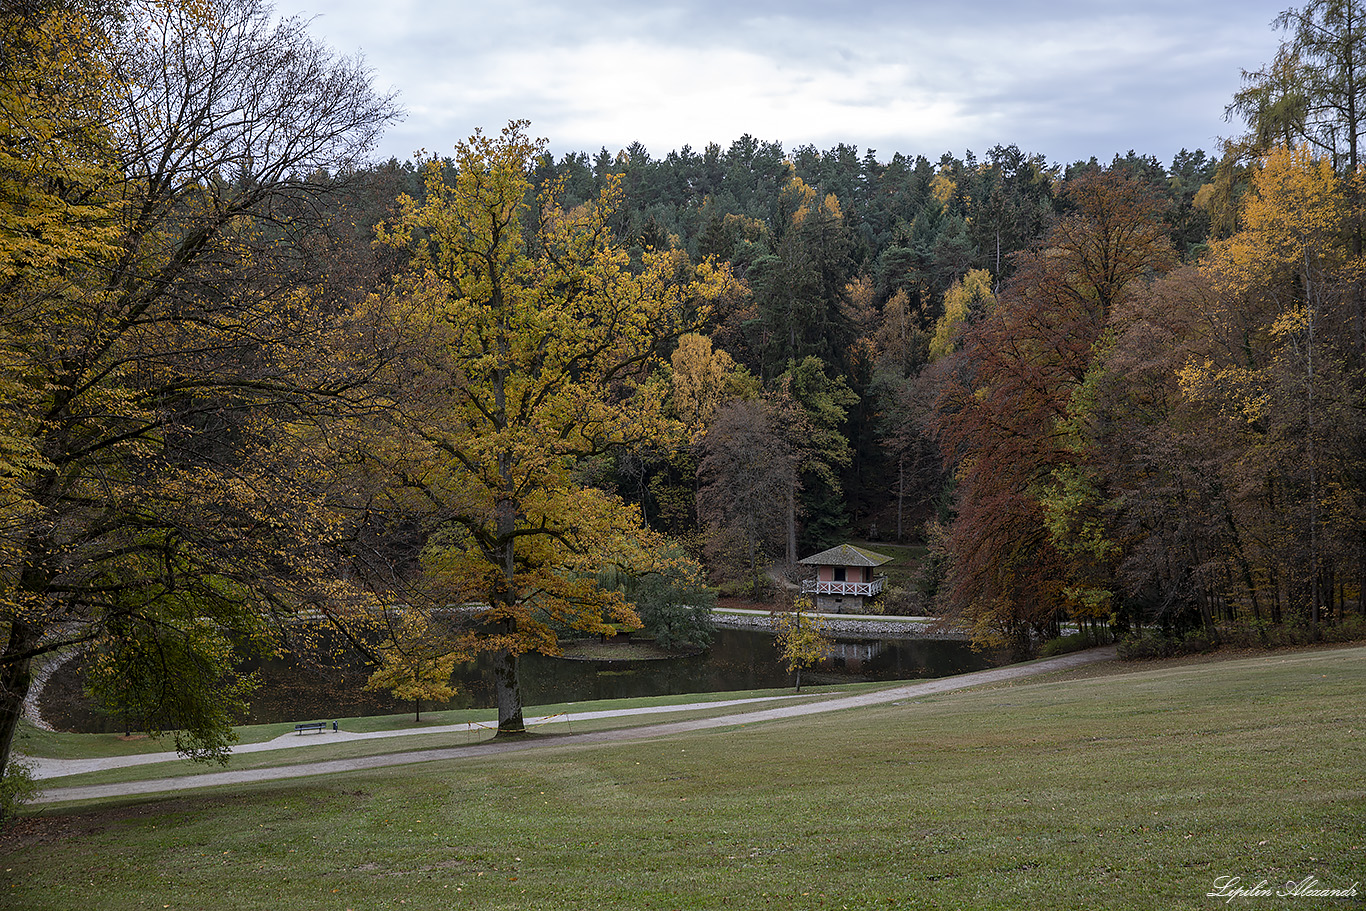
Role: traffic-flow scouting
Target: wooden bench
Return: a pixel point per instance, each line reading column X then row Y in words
column 318, row 726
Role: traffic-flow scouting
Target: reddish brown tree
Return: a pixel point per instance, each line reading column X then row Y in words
column 1011, row 416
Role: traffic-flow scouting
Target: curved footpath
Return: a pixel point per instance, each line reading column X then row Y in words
column 790, row 709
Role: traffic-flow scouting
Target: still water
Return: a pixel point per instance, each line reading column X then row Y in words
column 737, row 660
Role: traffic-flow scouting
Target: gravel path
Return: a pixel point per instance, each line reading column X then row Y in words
column 788, row 708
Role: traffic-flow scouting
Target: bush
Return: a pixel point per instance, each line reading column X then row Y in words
column 1246, row 634
column 903, row 601
column 16, row 788
column 1156, row 644
column 1351, row 629
column 1264, row 634
column 745, row 590
column 674, row 602
column 1074, row 642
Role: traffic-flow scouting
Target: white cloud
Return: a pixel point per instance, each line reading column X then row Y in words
column 1066, row 80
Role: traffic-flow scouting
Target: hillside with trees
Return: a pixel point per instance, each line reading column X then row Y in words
column 257, row 385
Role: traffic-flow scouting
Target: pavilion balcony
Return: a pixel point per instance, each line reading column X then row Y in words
column 866, row 589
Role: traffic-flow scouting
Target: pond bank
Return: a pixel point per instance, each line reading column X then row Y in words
column 853, row 626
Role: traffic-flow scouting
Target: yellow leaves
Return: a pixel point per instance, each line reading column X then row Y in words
column 534, row 346
column 1273, row 280
column 801, row 638
column 1293, row 220
column 797, row 200
column 1086, row 601
column 56, row 173
column 700, row 380
column 416, row 661
column 1237, row 391
column 1295, row 195
column 831, row 206
column 942, row 188
column 1292, row 323
column 971, row 293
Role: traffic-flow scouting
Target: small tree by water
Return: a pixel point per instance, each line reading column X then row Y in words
column 801, row 637
column 415, row 663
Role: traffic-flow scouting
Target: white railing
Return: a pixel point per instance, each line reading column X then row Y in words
column 866, row 589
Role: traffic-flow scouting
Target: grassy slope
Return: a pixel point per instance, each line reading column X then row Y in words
column 1128, row 791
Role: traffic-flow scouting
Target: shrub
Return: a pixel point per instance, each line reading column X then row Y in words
column 1351, row 629
column 16, row 788
column 674, row 601
column 1264, row 634
column 903, row 601
column 1156, row 644
column 1074, row 642
column 745, row 589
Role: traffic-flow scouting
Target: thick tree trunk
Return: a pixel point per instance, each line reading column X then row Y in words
column 1207, row 618
column 15, row 679
column 509, row 693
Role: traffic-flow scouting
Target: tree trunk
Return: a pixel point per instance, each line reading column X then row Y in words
column 1207, row 617
column 900, row 493
column 509, row 694
column 1275, row 594
column 15, row 679
column 1361, row 584
column 792, row 525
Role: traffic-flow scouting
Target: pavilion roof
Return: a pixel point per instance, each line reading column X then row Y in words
column 846, row 555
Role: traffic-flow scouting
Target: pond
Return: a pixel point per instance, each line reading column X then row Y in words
column 737, row 660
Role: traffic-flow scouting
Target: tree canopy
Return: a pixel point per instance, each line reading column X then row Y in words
column 254, row 384
column 160, row 339
column 535, row 345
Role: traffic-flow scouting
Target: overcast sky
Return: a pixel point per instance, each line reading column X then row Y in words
column 1069, row 79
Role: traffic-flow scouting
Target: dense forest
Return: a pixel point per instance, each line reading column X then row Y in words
column 850, row 277
column 257, row 385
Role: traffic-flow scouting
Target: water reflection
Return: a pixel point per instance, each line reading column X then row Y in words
column 743, row 660
column 738, row 660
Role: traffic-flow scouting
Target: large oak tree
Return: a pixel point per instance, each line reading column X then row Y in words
column 535, row 345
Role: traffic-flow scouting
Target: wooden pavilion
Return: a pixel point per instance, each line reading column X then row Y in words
column 844, row 580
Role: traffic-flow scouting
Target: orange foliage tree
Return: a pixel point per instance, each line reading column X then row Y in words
column 1010, row 415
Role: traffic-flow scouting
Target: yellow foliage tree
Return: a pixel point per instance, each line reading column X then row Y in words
column 801, row 639
column 1273, row 364
column 415, row 662
column 536, row 345
column 705, row 378
column 970, row 294
column 152, row 346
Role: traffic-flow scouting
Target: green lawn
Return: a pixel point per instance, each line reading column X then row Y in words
column 1135, row 790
